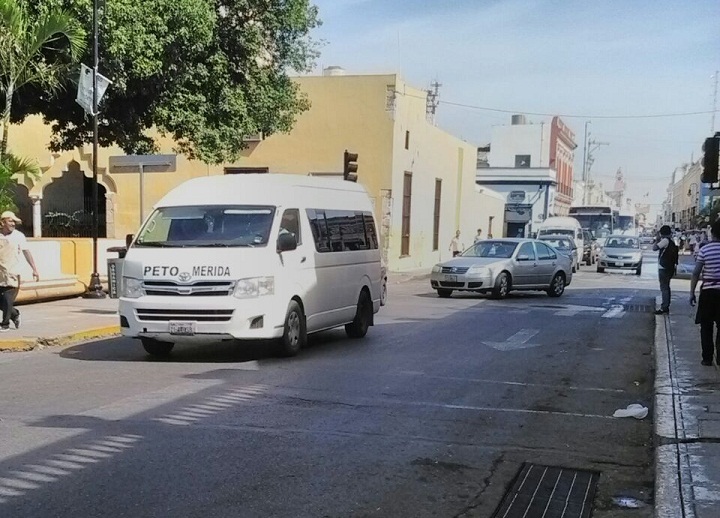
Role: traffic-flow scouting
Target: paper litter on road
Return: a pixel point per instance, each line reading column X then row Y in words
column 634, row 410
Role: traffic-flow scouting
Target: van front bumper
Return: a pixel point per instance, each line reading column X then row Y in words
column 196, row 320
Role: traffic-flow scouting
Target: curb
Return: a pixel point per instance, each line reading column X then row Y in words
column 671, row 473
column 28, row 344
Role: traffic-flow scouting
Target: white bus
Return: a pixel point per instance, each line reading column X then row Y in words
column 252, row 257
column 598, row 219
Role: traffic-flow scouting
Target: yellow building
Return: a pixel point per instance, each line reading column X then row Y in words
column 422, row 180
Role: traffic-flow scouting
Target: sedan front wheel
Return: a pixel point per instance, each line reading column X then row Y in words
column 502, row 286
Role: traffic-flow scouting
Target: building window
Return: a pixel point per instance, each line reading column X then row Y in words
column 522, row 160
column 489, row 230
column 436, row 215
column 407, row 140
column 247, row 170
column 407, row 195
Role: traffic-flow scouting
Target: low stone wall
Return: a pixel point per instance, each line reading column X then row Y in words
column 65, row 266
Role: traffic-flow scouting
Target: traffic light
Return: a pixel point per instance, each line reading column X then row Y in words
column 350, row 166
column 711, row 148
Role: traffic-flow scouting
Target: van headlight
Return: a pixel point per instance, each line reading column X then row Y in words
column 132, row 288
column 254, row 287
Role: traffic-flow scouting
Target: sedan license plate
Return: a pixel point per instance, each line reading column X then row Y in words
column 451, row 278
column 618, row 264
column 182, row 328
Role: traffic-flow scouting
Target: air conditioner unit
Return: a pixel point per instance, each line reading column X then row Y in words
column 254, row 137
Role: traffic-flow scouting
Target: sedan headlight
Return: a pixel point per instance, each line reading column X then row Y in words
column 254, row 287
column 636, row 257
column 478, row 270
column 437, row 268
column 132, row 288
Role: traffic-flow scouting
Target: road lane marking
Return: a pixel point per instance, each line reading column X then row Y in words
column 615, row 311
column 513, row 383
column 517, row 341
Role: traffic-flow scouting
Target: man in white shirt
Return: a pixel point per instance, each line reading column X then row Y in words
column 456, row 246
column 12, row 245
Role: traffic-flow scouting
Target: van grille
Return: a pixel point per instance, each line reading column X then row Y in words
column 194, row 315
column 195, row 289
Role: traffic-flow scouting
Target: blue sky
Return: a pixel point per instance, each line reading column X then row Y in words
column 602, row 58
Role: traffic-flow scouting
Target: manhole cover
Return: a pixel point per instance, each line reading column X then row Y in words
column 549, row 492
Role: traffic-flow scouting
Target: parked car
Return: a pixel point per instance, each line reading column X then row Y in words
column 499, row 266
column 565, row 245
column 591, row 248
column 621, row 252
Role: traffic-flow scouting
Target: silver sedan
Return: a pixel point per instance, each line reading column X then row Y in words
column 501, row 265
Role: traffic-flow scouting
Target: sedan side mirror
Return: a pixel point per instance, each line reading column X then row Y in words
column 286, row 243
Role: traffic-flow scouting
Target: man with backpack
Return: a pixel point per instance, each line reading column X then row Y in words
column 667, row 265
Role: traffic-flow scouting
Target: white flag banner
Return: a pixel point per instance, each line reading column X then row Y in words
column 85, row 88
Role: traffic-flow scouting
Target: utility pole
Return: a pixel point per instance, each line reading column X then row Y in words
column 592, row 146
column 431, row 102
column 584, row 165
column 712, row 123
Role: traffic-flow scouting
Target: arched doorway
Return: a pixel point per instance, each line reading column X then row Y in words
column 22, row 201
column 67, row 205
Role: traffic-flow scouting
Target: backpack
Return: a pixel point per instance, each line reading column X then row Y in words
column 669, row 257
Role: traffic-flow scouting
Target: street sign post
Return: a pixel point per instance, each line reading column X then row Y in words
column 142, row 164
column 85, row 88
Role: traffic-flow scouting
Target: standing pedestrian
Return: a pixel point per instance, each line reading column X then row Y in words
column 667, row 265
column 12, row 245
column 456, row 247
column 478, row 236
column 707, row 265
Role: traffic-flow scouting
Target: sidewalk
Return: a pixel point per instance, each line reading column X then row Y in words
column 687, row 418
column 62, row 322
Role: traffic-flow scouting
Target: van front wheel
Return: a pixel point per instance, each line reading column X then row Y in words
column 358, row 328
column 294, row 331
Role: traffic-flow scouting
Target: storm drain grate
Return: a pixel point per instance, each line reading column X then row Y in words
column 549, row 492
column 638, row 308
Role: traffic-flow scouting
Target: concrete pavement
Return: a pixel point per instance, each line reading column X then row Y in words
column 62, row 322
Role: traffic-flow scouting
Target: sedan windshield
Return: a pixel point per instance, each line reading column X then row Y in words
column 207, row 226
column 622, row 242
column 491, row 249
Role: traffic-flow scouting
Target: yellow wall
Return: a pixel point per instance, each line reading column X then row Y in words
column 368, row 115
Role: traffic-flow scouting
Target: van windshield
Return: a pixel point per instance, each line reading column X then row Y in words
column 207, row 226
column 557, row 232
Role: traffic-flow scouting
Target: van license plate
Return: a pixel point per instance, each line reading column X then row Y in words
column 182, row 328
column 451, row 278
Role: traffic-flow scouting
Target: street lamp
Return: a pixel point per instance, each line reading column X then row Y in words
column 95, row 288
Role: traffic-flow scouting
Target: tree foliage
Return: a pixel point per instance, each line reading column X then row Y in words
column 204, row 72
column 12, row 166
column 36, row 51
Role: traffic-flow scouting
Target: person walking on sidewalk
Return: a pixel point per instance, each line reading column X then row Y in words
column 707, row 265
column 456, row 247
column 667, row 265
column 12, row 245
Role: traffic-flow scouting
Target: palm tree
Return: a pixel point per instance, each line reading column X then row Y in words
column 11, row 165
column 38, row 51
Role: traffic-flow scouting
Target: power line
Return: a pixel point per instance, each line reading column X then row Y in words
column 572, row 116
column 565, row 115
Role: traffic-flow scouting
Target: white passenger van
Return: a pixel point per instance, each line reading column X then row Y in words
column 252, row 256
column 559, row 225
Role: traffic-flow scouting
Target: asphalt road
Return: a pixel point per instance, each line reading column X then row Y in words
column 432, row 414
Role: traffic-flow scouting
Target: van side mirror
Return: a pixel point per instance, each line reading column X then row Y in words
column 286, row 243
column 129, row 239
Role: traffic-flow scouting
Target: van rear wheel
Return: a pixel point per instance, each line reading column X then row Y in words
column 294, row 331
column 157, row 348
column 358, row 328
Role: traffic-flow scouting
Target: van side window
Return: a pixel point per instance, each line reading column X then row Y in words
column 290, row 223
column 342, row 230
column 319, row 229
column 370, row 232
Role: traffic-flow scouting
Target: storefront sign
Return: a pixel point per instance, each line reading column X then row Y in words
column 516, row 197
